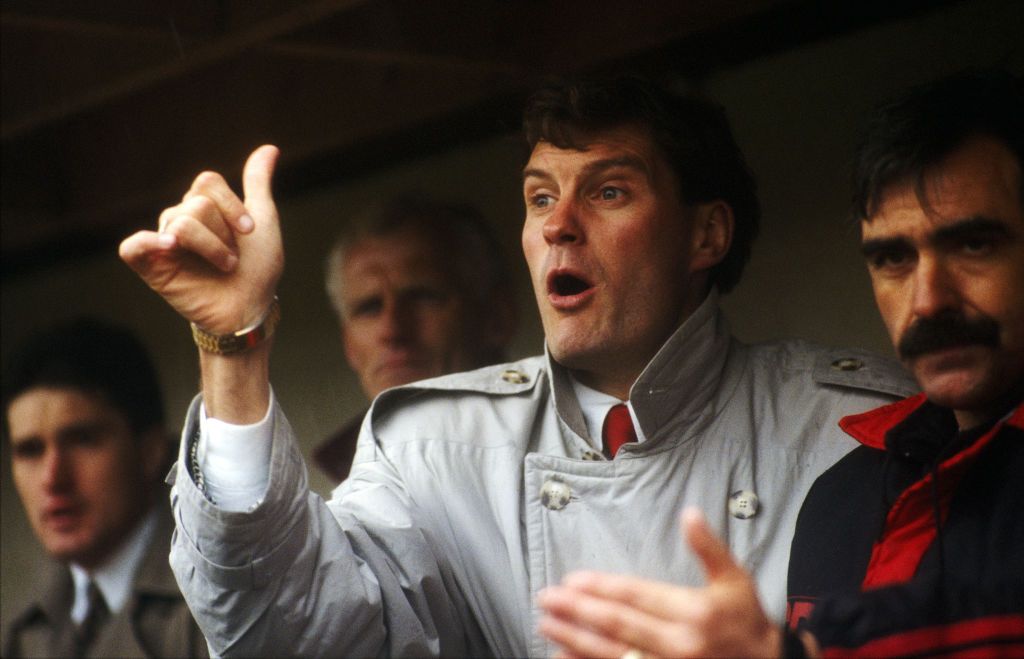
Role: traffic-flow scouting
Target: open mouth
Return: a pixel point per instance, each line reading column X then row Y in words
column 62, row 517
column 566, row 285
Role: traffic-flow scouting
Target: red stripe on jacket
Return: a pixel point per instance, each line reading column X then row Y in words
column 993, row 636
column 910, row 524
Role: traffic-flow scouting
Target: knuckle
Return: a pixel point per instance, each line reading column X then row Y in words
column 206, row 180
column 167, row 216
column 614, row 623
column 200, row 207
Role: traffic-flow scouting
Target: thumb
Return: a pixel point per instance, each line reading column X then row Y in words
column 256, row 180
column 712, row 552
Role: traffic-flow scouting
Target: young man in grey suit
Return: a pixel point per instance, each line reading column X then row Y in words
column 84, row 418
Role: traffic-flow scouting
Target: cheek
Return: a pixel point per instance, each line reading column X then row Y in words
column 1010, row 316
column 889, row 303
column 99, row 476
column 655, row 254
column 116, row 481
column 27, row 483
column 358, row 345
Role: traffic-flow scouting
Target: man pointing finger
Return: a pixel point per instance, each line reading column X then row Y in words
column 473, row 492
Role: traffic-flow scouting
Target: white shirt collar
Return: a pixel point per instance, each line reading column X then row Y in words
column 594, row 405
column 114, row 578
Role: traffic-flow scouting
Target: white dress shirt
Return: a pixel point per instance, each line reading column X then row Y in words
column 235, row 460
column 114, row 578
column 595, row 405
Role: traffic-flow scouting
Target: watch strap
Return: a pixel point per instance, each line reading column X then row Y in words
column 242, row 340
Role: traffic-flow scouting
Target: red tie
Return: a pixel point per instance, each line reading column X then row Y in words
column 618, row 429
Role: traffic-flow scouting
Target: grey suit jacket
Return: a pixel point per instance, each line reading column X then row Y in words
column 154, row 623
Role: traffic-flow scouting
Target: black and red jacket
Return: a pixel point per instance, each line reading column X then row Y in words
column 871, row 571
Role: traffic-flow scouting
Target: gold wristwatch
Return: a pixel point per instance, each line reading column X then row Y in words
column 242, row 340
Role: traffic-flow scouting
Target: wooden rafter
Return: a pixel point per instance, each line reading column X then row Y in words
column 215, row 50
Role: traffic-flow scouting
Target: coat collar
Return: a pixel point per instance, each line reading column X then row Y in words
column 53, row 600
column 677, row 383
column 871, row 428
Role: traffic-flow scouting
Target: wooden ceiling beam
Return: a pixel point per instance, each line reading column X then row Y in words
column 217, row 49
column 80, row 28
column 319, row 51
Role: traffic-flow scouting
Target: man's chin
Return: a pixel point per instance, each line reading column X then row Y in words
column 576, row 358
column 68, row 548
column 953, row 384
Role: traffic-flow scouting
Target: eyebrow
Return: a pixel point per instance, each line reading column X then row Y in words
column 628, row 162
column 951, row 233
column 64, row 432
column 971, row 226
column 875, row 246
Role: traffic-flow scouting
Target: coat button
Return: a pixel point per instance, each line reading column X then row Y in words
column 513, row 376
column 848, row 364
column 743, row 504
column 555, row 495
column 592, row 455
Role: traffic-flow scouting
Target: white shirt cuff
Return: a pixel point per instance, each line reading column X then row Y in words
column 235, row 460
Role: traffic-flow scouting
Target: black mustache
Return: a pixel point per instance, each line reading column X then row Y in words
column 947, row 330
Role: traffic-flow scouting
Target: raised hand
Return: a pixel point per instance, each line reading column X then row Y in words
column 216, row 258
column 595, row 614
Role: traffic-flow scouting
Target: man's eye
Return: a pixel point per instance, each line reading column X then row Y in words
column 888, row 259
column 541, row 200
column 27, row 450
column 366, row 309
column 429, row 296
column 976, row 246
column 609, row 193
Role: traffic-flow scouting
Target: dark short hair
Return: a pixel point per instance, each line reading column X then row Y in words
column 95, row 358
column 915, row 132
column 693, row 134
column 464, row 239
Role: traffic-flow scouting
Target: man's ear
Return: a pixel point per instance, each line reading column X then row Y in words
column 713, row 223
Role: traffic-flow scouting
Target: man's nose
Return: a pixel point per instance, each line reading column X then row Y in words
column 562, row 225
column 935, row 288
column 397, row 322
column 56, row 469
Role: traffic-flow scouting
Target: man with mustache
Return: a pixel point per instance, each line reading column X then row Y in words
column 913, row 544
column 420, row 289
column 932, row 553
column 471, row 493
